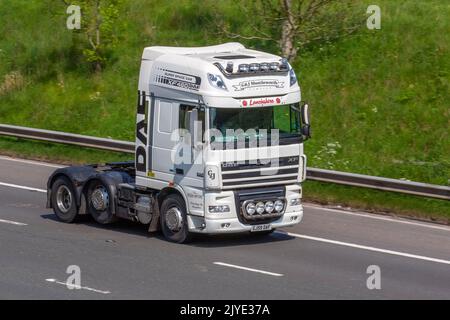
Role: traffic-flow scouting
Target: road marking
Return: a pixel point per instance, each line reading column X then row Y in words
column 10, row 185
column 77, row 287
column 353, row 245
column 43, row 164
column 377, row 217
column 13, row 222
column 248, row 269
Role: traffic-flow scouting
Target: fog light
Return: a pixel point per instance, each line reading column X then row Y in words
column 269, row 206
column 219, row 209
column 260, row 208
column 279, row 205
column 250, row 208
column 295, row 202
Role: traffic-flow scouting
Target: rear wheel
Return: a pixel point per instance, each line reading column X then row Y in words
column 173, row 219
column 99, row 203
column 63, row 200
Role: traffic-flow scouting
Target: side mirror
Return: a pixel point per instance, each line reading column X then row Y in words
column 306, row 127
column 195, row 129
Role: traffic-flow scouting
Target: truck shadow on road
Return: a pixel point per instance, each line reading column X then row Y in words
column 205, row 241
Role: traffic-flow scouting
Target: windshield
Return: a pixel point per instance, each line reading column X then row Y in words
column 256, row 123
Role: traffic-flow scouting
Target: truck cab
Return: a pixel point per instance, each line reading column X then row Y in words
column 219, row 148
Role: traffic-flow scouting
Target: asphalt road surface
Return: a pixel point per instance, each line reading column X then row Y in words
column 327, row 256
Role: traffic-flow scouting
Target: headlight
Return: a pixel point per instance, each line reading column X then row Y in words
column 279, row 205
column 250, row 208
column 292, row 77
column 219, row 209
column 260, row 207
column 269, row 206
column 296, row 202
column 216, row 81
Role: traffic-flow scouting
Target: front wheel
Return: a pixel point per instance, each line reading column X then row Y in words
column 173, row 219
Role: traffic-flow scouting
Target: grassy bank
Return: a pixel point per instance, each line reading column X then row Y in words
column 380, row 98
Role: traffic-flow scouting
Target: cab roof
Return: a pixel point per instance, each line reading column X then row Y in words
column 219, row 53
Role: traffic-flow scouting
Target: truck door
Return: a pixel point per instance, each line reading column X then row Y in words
column 165, row 122
column 189, row 172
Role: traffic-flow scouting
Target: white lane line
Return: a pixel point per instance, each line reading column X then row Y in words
column 77, row 287
column 377, row 217
column 354, row 245
column 248, row 269
column 37, row 163
column 13, row 222
column 10, row 185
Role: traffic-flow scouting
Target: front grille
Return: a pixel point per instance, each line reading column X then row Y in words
column 253, row 173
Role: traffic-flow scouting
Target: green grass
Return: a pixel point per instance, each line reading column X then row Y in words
column 377, row 201
column 380, row 98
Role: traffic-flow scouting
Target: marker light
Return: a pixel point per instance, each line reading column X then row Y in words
column 296, row 202
column 229, row 67
column 284, row 64
column 274, row 66
column 264, row 66
column 216, row 81
column 254, row 67
column 243, row 68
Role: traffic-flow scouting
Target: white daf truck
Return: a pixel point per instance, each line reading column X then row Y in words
column 219, row 148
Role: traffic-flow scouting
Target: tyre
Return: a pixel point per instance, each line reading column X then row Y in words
column 64, row 200
column 99, row 203
column 174, row 224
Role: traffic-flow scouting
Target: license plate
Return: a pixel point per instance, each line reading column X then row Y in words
column 261, row 227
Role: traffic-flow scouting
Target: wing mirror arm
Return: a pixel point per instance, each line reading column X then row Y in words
column 195, row 129
column 305, row 124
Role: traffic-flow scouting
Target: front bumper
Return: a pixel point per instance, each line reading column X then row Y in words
column 233, row 225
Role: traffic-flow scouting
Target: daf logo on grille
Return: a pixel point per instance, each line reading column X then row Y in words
column 230, row 164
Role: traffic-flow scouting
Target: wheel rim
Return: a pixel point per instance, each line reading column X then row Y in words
column 100, row 198
column 174, row 219
column 64, row 199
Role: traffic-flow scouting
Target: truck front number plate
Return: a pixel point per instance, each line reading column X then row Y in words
column 261, row 227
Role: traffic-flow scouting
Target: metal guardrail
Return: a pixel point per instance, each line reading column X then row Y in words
column 379, row 183
column 338, row 177
column 67, row 138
